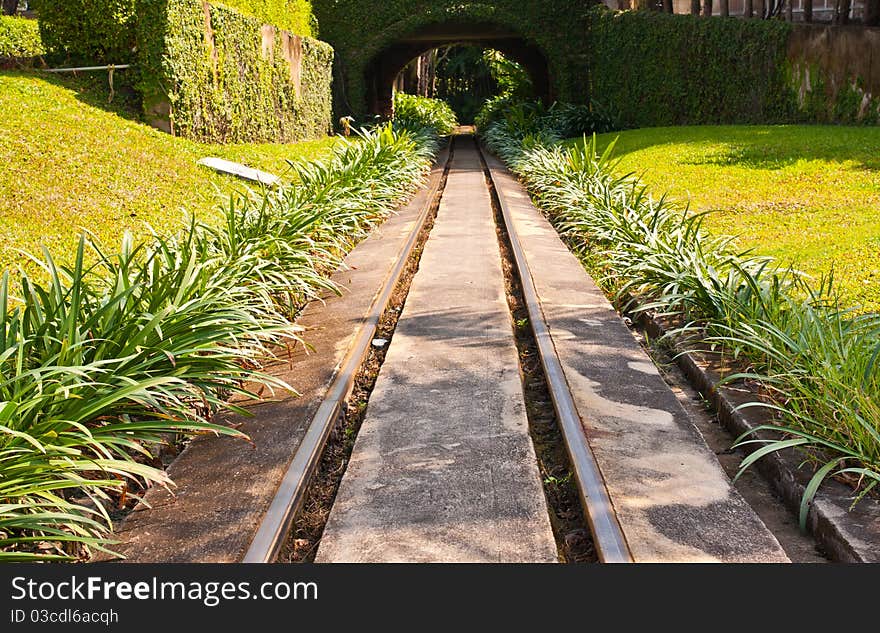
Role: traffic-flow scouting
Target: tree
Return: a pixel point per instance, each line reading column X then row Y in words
column 667, row 6
column 872, row 12
column 707, row 8
column 808, row 10
column 750, row 8
column 724, row 6
column 695, row 7
column 841, row 11
column 10, row 7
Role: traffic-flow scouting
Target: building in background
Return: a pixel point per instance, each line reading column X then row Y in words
column 823, row 10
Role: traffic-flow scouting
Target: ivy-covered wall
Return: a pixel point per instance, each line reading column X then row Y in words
column 654, row 68
column 360, row 30
column 658, row 69
column 210, row 73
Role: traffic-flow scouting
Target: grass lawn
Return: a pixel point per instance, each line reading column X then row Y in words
column 808, row 195
column 69, row 161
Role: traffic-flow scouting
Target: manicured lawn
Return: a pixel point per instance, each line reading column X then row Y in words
column 808, row 195
column 67, row 164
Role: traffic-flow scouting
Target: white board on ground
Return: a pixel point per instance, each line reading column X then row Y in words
column 241, row 171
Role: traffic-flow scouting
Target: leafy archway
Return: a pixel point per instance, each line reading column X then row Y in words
column 374, row 41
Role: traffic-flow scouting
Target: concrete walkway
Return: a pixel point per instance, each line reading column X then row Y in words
column 443, row 469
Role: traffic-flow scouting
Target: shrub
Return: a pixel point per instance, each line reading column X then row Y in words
column 559, row 121
column 88, row 31
column 421, row 112
column 494, row 110
column 19, row 38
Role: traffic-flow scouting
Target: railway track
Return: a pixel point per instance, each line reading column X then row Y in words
column 609, row 540
column 444, row 468
column 358, row 530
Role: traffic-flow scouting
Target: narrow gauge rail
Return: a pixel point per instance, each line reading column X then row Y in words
column 273, row 529
column 609, row 539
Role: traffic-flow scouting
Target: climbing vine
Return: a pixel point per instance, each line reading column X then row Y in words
column 225, row 78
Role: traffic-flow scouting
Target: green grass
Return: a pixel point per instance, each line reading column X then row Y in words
column 69, row 161
column 808, row 195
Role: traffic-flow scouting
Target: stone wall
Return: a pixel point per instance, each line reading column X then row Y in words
column 835, row 72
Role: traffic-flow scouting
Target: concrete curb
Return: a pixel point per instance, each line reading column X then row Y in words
column 850, row 536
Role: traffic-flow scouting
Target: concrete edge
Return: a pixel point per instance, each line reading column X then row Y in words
column 847, row 536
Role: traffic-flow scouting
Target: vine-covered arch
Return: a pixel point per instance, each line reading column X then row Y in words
column 374, row 40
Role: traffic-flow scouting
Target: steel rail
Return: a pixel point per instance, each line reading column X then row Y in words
column 276, row 523
column 608, row 536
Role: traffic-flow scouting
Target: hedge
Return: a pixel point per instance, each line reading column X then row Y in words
column 105, row 31
column 656, row 69
column 227, row 78
column 19, row 38
column 87, row 31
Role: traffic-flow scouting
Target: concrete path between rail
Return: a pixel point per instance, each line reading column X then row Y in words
column 671, row 497
column 443, row 469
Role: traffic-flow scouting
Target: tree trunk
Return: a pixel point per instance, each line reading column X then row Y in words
column 707, row 8
column 841, row 11
column 10, row 7
column 695, row 7
column 724, row 6
column 808, row 10
column 667, row 6
column 789, row 10
column 411, row 78
column 750, row 8
column 872, row 12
